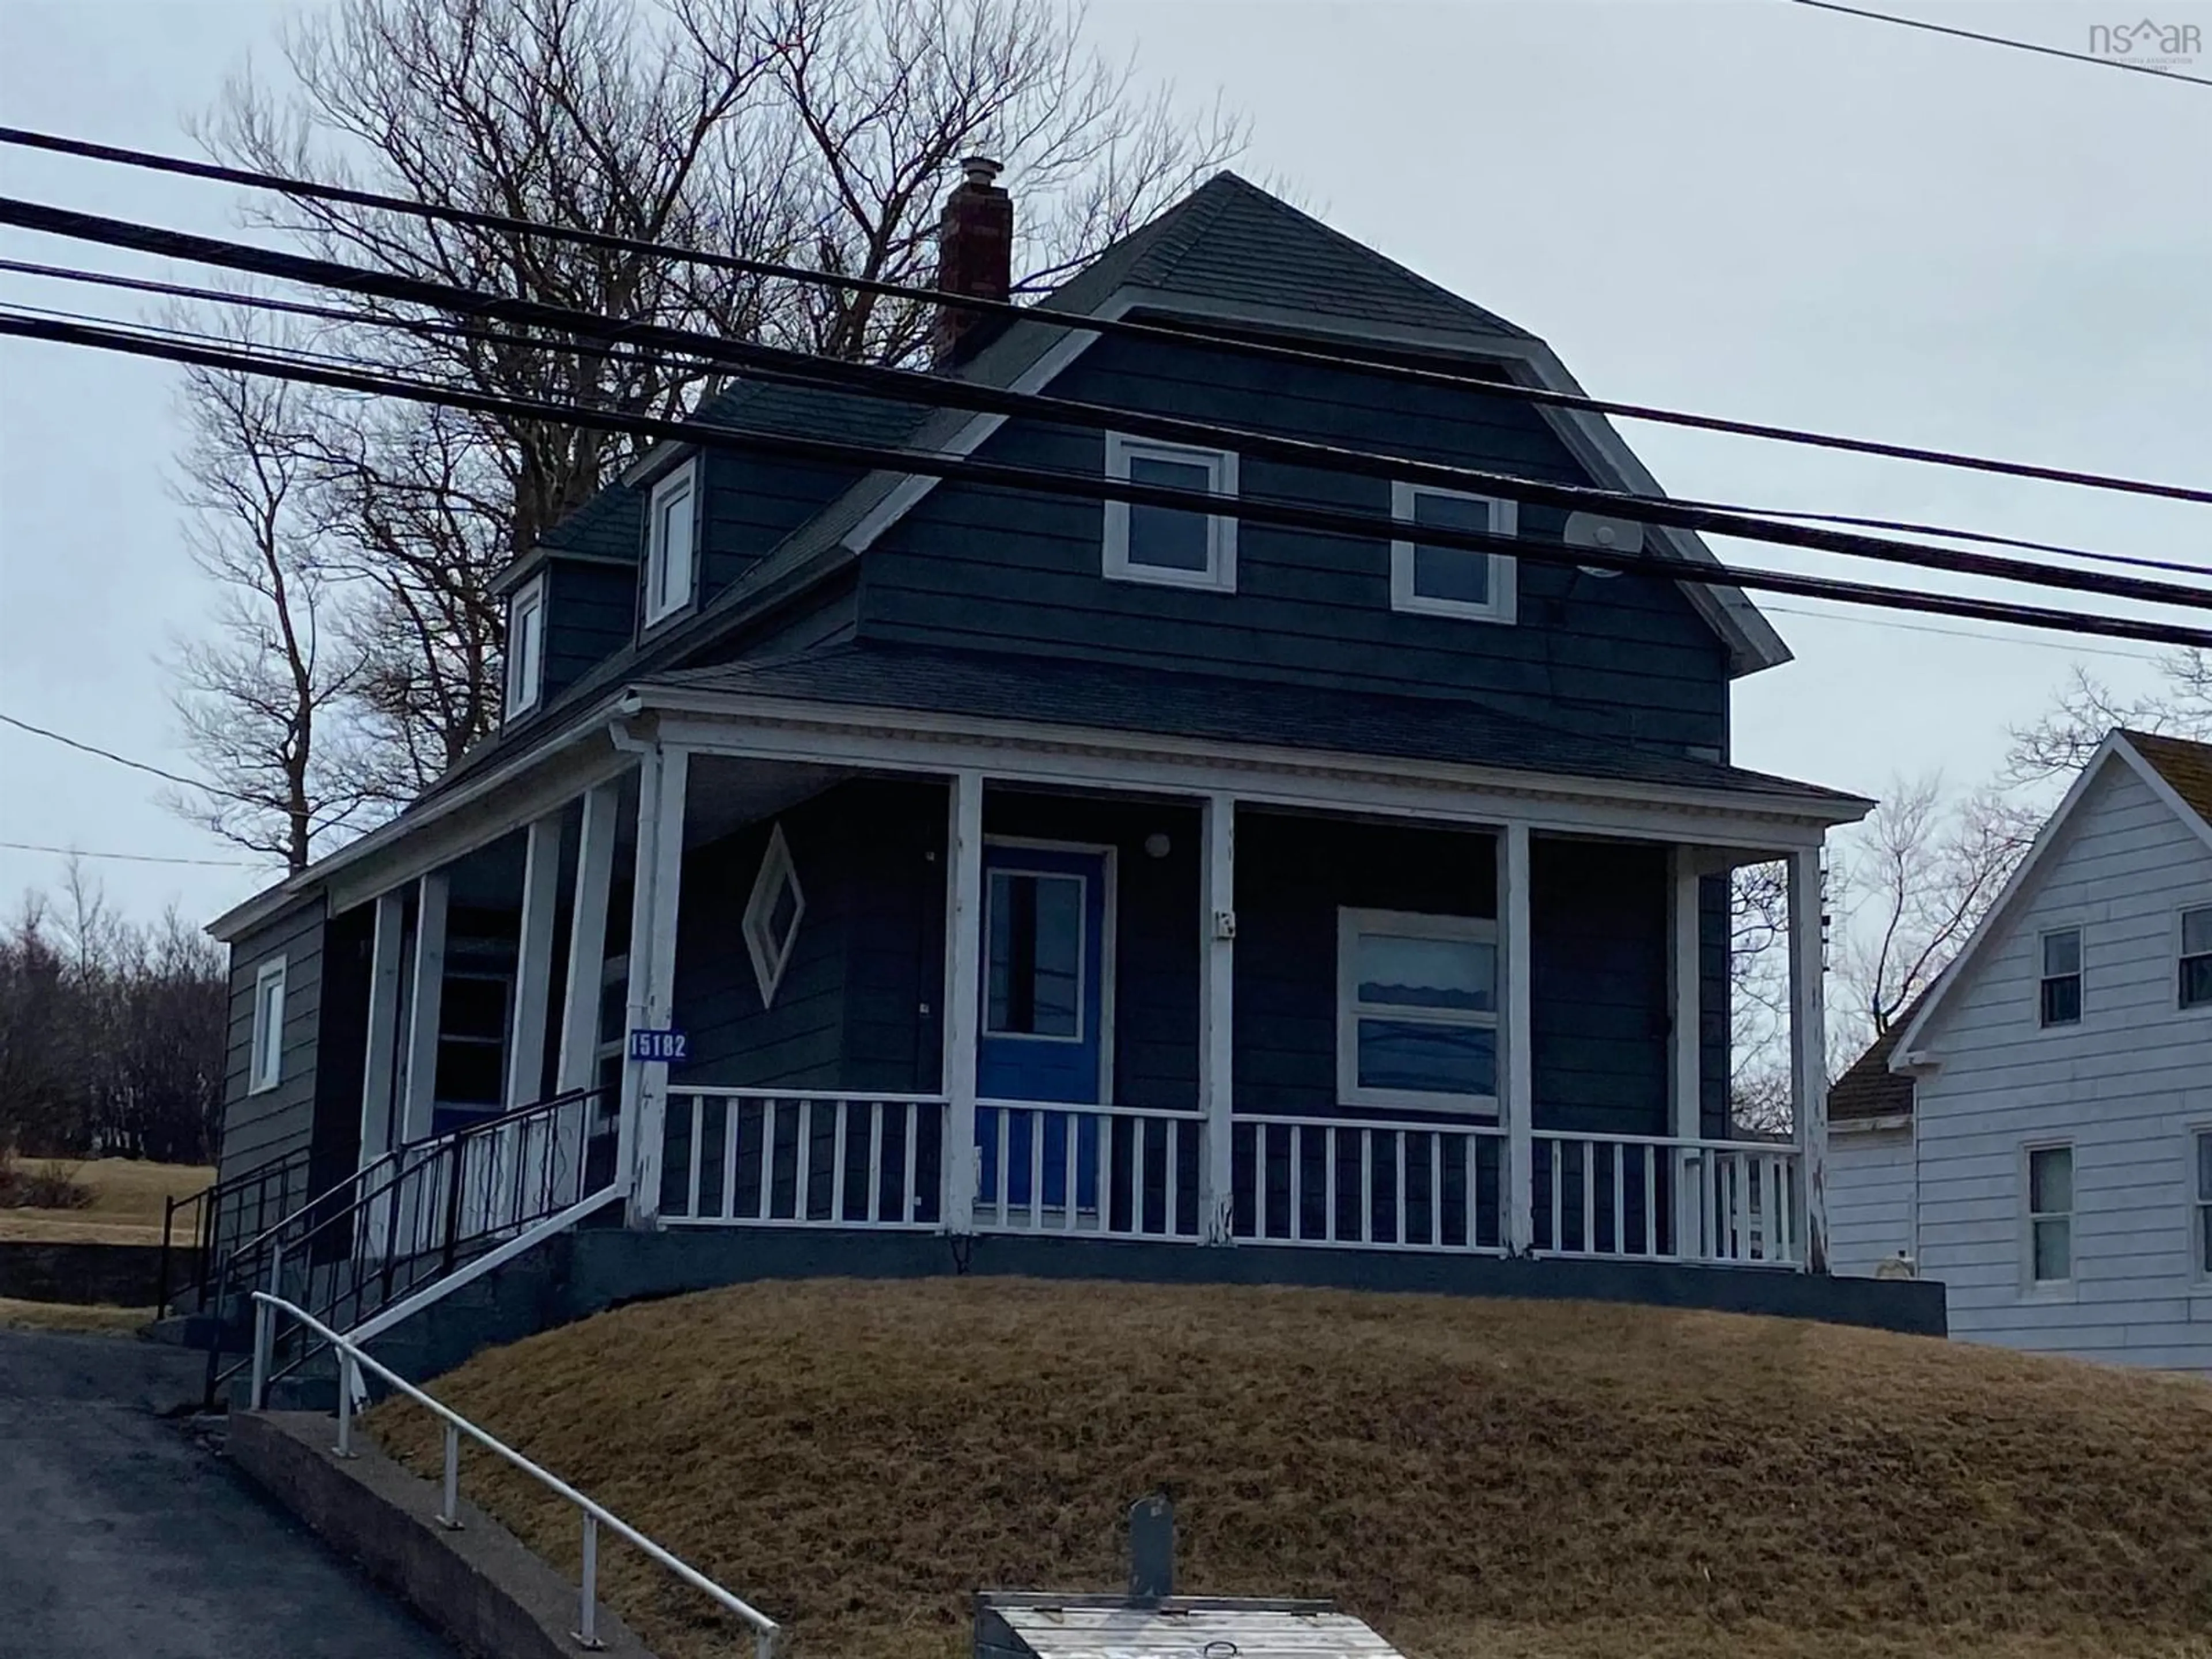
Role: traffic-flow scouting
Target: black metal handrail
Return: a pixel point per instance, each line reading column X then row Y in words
column 413, row 1215
column 216, row 1214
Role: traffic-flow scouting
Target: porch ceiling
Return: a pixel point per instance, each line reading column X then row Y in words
column 727, row 794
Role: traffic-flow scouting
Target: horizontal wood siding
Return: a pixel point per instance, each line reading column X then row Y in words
column 1624, row 657
column 1598, row 954
column 1292, row 875
column 1869, row 1199
column 591, row 613
column 342, row 1044
column 1715, row 988
column 279, row 1121
column 894, row 836
column 753, row 502
column 2125, row 1086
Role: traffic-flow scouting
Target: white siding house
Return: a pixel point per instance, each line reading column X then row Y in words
column 2037, row 1135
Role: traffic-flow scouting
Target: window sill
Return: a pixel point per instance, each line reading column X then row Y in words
column 1481, row 1109
column 1146, row 576
column 1498, row 615
column 2059, row 1294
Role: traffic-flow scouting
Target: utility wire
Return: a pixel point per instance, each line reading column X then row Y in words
column 1181, row 333
column 2072, row 647
column 924, row 390
column 129, row 858
column 931, row 386
column 482, row 334
column 1088, row 487
column 2001, row 41
column 125, row 760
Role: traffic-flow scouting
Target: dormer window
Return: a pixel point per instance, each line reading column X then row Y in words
column 1452, row 581
column 672, row 546
column 525, row 647
column 1170, row 544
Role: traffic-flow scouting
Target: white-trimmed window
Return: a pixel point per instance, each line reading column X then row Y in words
column 265, row 1058
column 1417, row 1011
column 772, row 916
column 2050, row 1215
column 2058, row 999
column 2197, row 957
column 525, row 647
column 2200, row 1212
column 1452, row 581
column 672, row 543
column 1169, row 543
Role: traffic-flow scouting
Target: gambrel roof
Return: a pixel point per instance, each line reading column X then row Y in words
column 2177, row 771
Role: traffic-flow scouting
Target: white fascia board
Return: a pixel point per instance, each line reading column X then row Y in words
column 1906, row 1056
column 405, row 847
column 1590, row 438
column 776, row 728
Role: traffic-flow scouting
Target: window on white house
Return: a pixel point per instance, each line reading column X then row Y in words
column 2051, row 1214
column 1452, row 581
column 2060, row 1000
column 265, row 1058
column 1417, row 1011
column 2197, row 957
column 671, row 544
column 525, row 647
column 2201, row 1214
column 1170, row 544
column 772, row 915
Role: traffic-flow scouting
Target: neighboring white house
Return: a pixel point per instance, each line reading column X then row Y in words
column 2037, row 1132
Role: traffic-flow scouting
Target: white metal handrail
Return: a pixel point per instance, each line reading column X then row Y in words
column 351, row 1359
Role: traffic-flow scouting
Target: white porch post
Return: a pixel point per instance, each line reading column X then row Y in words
column 1686, row 1052
column 423, row 1008
column 378, row 1065
column 1217, row 994
column 533, row 961
column 1516, row 1091
column 963, row 951
column 661, row 783
column 578, row 1067
column 1808, row 1057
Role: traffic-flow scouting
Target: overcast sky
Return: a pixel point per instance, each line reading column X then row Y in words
column 1739, row 206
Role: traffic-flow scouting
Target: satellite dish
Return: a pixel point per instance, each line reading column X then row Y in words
column 1615, row 535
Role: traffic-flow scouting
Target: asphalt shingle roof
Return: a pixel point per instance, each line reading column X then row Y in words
column 2186, row 766
column 1054, row 691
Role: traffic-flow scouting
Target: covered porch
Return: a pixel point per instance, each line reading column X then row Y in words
column 847, row 971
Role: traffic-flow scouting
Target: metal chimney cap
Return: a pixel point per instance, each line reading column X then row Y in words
column 979, row 170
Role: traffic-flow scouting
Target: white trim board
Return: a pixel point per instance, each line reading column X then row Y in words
column 1590, row 438
column 2115, row 748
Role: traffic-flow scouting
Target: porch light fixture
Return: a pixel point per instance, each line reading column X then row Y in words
column 772, row 916
column 1156, row 845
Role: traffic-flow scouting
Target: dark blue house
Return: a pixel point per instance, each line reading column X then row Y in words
column 870, row 852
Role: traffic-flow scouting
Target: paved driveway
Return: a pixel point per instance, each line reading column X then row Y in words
column 121, row 1537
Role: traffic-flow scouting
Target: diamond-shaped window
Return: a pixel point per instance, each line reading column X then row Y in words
column 772, row 915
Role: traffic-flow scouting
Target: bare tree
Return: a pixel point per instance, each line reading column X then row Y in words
column 813, row 132
column 254, row 696
column 2085, row 709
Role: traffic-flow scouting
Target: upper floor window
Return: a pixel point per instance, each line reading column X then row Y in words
column 2201, row 1214
column 265, row 1057
column 1417, row 1011
column 1169, row 543
column 2197, row 957
column 1452, row 581
column 671, row 544
column 2060, row 1001
column 525, row 647
column 2050, row 1214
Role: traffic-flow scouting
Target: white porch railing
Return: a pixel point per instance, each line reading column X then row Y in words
column 1106, row 1172
column 1370, row 1183
column 778, row 1159
column 1654, row 1199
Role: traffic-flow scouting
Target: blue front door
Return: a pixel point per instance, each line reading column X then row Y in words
column 1042, row 1006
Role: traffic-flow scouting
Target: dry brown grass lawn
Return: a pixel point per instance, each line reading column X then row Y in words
column 127, row 1196
column 1482, row 1480
column 86, row 1318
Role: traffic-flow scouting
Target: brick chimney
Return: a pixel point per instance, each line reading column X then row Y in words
column 974, row 257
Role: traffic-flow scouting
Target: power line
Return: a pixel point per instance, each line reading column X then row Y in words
column 125, row 760
column 1180, row 333
column 925, row 389
column 477, row 333
column 129, row 858
column 1088, row 487
column 2036, row 642
column 2001, row 41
